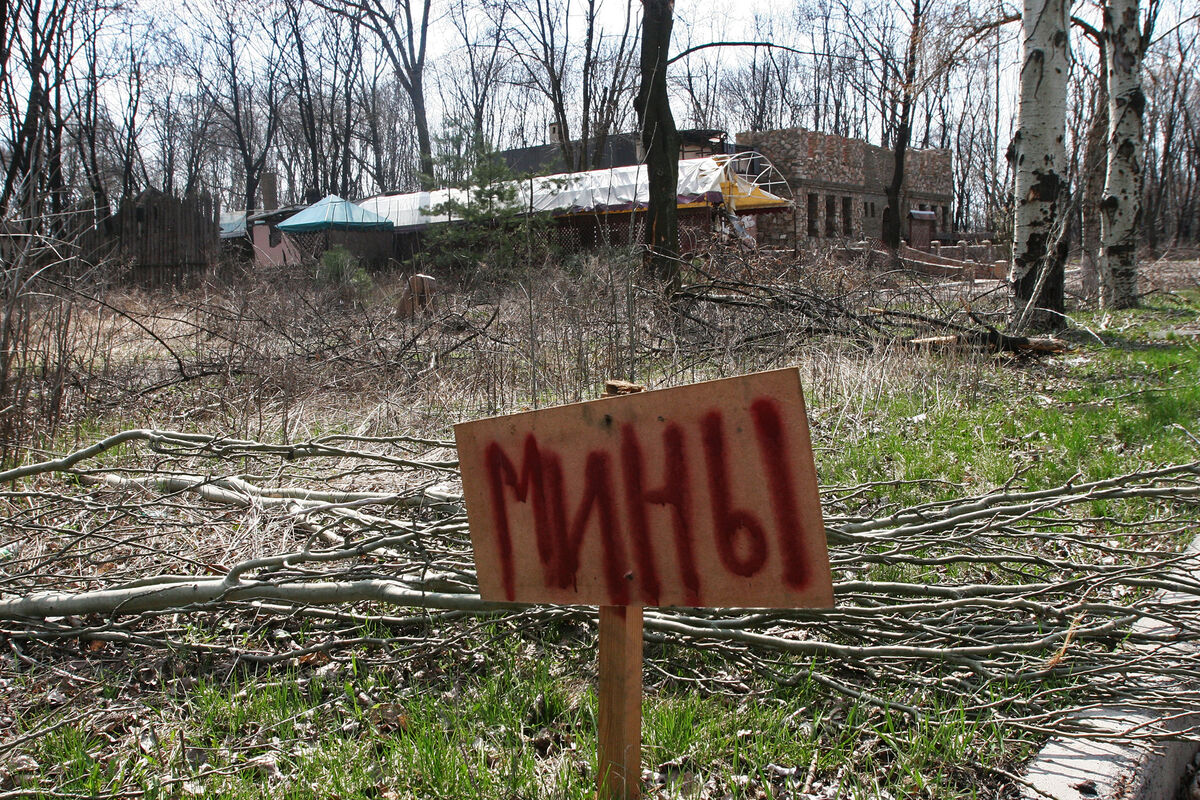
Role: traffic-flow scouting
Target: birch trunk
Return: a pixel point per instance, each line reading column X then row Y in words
column 1095, row 167
column 1038, row 154
column 1121, row 209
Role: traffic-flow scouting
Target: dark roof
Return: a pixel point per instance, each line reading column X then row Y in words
column 274, row 215
column 620, row 150
column 714, row 138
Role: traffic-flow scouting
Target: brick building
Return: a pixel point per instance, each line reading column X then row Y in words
column 839, row 185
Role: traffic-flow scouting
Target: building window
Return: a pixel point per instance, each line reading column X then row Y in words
column 848, row 216
column 830, row 215
column 813, row 230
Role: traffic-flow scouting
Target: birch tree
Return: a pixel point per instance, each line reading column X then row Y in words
column 1121, row 208
column 1038, row 155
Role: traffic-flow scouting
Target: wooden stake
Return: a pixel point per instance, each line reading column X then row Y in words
column 620, row 713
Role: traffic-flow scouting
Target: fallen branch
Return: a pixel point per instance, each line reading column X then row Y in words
column 1027, row 591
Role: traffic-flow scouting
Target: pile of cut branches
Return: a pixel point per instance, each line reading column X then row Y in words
column 755, row 306
column 1018, row 604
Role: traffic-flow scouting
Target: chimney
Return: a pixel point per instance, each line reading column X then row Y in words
column 555, row 133
column 270, row 193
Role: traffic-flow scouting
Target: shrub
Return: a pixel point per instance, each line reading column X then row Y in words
column 492, row 240
column 341, row 269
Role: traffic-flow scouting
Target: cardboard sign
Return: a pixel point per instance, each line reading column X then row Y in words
column 703, row 495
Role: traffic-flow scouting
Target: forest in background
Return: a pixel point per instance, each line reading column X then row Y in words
column 357, row 97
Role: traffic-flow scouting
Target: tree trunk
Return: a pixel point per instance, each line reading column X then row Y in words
column 421, row 123
column 660, row 141
column 893, row 214
column 1095, row 161
column 1121, row 209
column 1038, row 154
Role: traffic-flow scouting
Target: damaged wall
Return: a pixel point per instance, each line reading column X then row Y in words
column 839, row 185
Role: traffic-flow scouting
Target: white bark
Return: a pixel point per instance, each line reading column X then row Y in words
column 1038, row 154
column 1121, row 209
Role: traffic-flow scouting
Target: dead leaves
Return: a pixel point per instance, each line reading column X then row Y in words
column 682, row 779
column 390, row 717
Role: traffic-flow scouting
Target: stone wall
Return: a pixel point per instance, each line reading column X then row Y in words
column 839, row 184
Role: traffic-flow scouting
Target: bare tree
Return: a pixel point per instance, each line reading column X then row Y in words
column 1095, row 159
column 474, row 83
column 323, row 60
column 765, row 91
column 132, row 93
column 903, row 130
column 91, row 113
column 244, row 85
column 41, row 36
column 181, row 120
column 698, row 81
column 1169, row 83
column 401, row 28
column 387, row 130
column 660, row 141
column 601, row 66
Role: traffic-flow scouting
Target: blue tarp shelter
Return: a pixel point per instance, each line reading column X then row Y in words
column 334, row 213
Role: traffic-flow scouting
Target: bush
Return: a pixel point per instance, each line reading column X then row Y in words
column 341, row 269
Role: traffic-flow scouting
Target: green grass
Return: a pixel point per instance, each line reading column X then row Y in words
column 1099, row 411
column 521, row 727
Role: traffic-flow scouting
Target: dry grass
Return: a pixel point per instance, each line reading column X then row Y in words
column 279, row 356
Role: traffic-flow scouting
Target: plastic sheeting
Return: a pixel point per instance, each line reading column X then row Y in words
column 233, row 224
column 702, row 181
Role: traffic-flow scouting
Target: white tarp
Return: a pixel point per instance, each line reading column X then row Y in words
column 233, row 224
column 701, row 180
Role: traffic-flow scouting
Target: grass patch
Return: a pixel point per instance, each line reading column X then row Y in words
column 1104, row 409
column 519, row 726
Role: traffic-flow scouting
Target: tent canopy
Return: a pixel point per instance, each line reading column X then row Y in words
column 334, row 213
column 702, row 181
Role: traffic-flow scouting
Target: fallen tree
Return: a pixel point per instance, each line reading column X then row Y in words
column 874, row 312
column 1019, row 603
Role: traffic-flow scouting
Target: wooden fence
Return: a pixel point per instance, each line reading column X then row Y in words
column 162, row 239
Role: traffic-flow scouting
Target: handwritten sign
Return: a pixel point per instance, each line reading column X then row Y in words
column 703, row 495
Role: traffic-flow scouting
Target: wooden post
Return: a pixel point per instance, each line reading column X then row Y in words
column 619, row 757
column 620, row 685
column 620, row 712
